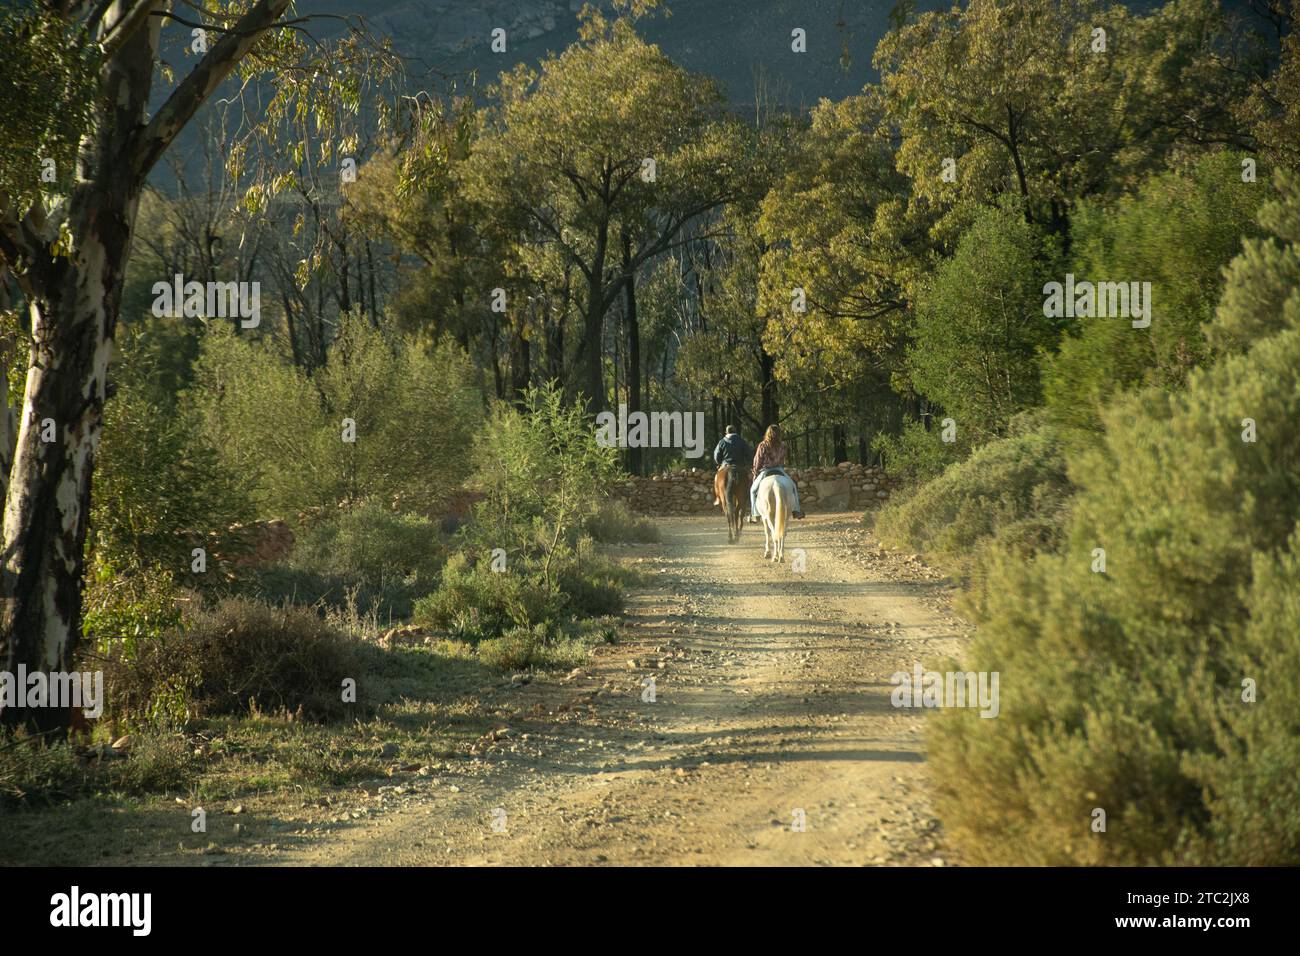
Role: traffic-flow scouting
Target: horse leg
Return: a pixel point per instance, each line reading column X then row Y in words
column 782, row 520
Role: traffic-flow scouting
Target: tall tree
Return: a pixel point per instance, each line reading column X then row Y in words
column 609, row 132
column 66, row 245
column 1053, row 99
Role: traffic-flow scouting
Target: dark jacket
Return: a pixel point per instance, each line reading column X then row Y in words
column 734, row 449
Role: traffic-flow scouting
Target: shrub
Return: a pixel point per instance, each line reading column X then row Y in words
column 592, row 585
column 543, row 473
column 542, row 462
column 540, row 647
column 475, row 602
column 614, row 523
column 1012, row 491
column 123, row 612
column 1123, row 690
column 159, row 488
column 266, row 419
column 383, row 559
column 917, row 453
column 239, row 655
column 33, row 771
column 371, row 543
column 415, row 411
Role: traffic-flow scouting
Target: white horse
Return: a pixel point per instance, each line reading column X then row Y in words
column 775, row 492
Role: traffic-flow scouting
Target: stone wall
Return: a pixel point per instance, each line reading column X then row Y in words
column 831, row 488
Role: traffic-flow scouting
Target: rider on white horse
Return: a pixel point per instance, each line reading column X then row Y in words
column 769, row 459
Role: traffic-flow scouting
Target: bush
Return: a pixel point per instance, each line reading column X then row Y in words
column 592, row 585
column 372, row 544
column 123, row 612
column 33, row 771
column 415, row 411
column 543, row 473
column 917, row 454
column 159, row 488
column 540, row 462
column 239, row 656
column 475, row 602
column 1130, row 690
column 1011, row 493
column 266, row 419
column 614, row 523
column 541, row 647
column 384, row 559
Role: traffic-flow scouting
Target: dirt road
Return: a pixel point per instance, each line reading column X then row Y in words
column 771, row 738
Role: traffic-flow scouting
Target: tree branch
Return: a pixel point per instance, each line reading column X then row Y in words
column 211, row 72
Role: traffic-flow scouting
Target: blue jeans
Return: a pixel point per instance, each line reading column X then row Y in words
column 753, row 489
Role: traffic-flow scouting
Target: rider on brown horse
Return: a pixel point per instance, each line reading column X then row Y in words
column 732, row 456
column 734, row 451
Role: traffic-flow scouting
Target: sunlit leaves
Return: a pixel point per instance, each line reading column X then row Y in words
column 48, row 79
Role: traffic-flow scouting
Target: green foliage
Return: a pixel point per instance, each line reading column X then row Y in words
column 1010, row 494
column 836, row 224
column 1178, row 232
column 980, row 326
column 48, row 76
column 123, row 612
column 1014, row 93
column 160, row 489
column 1259, row 296
column 474, row 601
column 374, row 545
column 267, row 421
column 544, row 474
column 33, row 772
column 524, row 648
column 541, row 462
column 614, row 523
column 15, row 352
column 917, row 453
column 416, row 411
column 1124, row 690
column 367, row 559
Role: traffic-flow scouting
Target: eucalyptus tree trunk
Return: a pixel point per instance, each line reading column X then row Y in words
column 74, row 297
column 73, row 313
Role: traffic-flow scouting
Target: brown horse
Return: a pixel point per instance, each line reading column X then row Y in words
column 731, row 485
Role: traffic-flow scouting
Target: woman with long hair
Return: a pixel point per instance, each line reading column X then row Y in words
column 769, row 458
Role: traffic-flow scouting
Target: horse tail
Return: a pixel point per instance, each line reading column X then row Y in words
column 781, row 509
